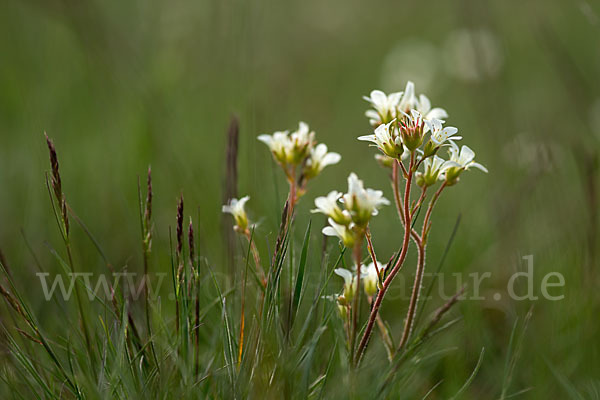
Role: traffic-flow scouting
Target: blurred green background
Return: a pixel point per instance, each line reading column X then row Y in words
column 123, row 85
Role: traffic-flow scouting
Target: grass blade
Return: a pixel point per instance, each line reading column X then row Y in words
column 300, row 275
column 472, row 377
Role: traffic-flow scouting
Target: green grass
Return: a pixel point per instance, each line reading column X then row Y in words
column 119, row 87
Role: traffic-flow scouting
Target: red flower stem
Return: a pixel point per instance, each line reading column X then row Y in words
column 416, row 291
column 388, row 281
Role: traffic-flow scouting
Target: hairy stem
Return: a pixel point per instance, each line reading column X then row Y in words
column 417, row 285
column 292, row 195
column 356, row 306
column 414, row 298
column 388, row 281
column 419, row 202
column 372, row 254
column 398, row 201
column 426, row 223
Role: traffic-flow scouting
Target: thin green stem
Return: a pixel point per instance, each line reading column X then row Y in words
column 426, row 223
column 356, row 306
column 373, row 255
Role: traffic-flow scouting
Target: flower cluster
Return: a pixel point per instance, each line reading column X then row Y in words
column 359, row 205
column 388, row 107
column 295, row 152
column 299, row 148
column 407, row 125
column 409, row 133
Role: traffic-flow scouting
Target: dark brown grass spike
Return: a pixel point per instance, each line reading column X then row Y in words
column 191, row 243
column 180, row 227
column 56, row 181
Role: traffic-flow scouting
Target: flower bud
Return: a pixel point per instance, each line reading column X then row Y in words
column 419, row 179
column 343, row 312
column 384, row 161
column 370, row 278
column 350, row 289
column 430, row 149
column 412, row 130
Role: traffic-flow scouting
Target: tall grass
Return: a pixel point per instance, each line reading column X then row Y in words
column 212, row 336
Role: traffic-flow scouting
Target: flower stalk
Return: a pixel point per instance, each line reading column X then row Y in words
column 409, row 133
column 388, row 281
column 356, row 306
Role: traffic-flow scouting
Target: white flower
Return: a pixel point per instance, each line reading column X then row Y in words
column 385, row 140
column 424, row 107
column 290, row 149
column 369, row 277
column 280, row 145
column 344, row 232
column 434, row 168
column 409, row 101
column 464, row 159
column 235, row 207
column 350, row 284
column 301, row 142
column 439, row 133
column 362, row 203
column 319, row 158
column 359, row 205
column 385, row 106
column 329, row 206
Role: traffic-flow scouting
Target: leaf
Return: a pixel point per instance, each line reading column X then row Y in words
column 564, row 383
column 514, row 350
column 300, row 276
column 228, row 336
column 473, row 374
column 329, row 365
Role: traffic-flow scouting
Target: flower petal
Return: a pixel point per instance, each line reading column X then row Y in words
column 331, row 158
column 368, row 138
column 438, row 113
column 344, row 273
column 478, row 166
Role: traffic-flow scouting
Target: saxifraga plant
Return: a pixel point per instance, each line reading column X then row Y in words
column 273, row 350
column 409, row 135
